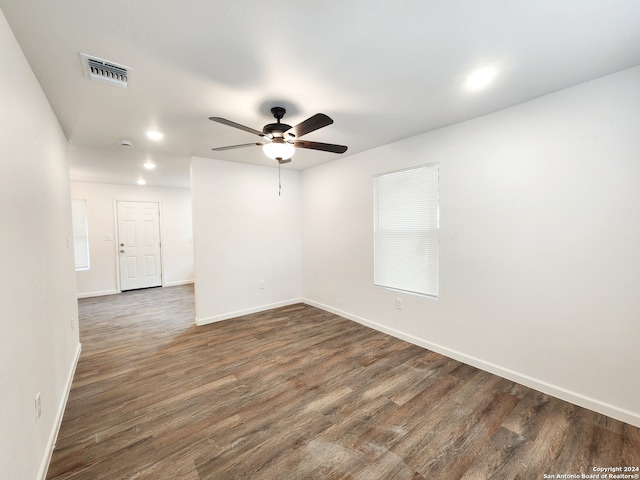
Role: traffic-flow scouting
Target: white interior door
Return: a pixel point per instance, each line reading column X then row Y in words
column 139, row 245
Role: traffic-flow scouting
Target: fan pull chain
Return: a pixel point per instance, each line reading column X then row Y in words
column 279, row 181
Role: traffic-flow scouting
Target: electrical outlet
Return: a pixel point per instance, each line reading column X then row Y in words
column 261, row 284
column 399, row 303
column 38, row 405
column 73, row 324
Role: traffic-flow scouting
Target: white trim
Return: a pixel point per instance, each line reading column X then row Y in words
column 627, row 416
column 239, row 313
column 116, row 246
column 116, row 292
column 53, row 437
column 179, row 282
column 97, row 294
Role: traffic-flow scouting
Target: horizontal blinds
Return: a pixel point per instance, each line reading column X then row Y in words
column 80, row 234
column 406, row 230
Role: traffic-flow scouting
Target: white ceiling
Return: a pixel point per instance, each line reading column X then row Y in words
column 383, row 70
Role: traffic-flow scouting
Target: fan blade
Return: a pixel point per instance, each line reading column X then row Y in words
column 229, row 123
column 325, row 147
column 231, row 147
column 311, row 124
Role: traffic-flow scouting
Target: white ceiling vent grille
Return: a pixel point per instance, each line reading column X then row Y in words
column 105, row 71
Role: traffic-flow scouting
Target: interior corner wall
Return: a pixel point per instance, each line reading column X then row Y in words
column 175, row 233
column 246, row 238
column 39, row 343
column 539, row 243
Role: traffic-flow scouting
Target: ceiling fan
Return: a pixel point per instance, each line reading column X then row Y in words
column 279, row 140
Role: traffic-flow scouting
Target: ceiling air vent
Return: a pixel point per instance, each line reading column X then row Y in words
column 105, row 71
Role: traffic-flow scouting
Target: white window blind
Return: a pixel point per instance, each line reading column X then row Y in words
column 80, row 233
column 406, row 230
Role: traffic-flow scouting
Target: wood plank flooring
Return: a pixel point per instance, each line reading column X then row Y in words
column 299, row 393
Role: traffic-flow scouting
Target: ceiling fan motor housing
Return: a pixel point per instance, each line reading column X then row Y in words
column 276, row 130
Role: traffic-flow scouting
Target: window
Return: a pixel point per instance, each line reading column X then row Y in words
column 80, row 233
column 406, row 230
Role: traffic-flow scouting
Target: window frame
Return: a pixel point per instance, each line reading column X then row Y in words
column 400, row 249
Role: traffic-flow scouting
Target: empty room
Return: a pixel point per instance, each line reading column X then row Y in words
column 331, row 240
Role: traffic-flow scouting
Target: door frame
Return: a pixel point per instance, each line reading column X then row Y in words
column 116, row 243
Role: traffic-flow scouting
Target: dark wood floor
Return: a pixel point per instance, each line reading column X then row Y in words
column 299, row 393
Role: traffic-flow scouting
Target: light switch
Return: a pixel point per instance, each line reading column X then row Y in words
column 108, row 237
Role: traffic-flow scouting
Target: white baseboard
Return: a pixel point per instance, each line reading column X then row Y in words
column 51, row 444
column 97, row 294
column 180, row 282
column 116, row 292
column 612, row 411
column 239, row 313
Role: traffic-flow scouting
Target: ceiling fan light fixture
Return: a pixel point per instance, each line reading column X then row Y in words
column 278, row 149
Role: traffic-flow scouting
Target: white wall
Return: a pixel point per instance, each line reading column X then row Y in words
column 540, row 243
column 175, row 232
column 244, row 233
column 39, row 342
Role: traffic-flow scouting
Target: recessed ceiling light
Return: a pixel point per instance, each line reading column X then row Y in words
column 480, row 78
column 141, row 181
column 155, row 135
column 149, row 165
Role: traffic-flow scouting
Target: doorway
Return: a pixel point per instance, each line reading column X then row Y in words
column 139, row 245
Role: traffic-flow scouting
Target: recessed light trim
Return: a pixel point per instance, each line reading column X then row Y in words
column 480, row 78
column 149, row 165
column 155, row 135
